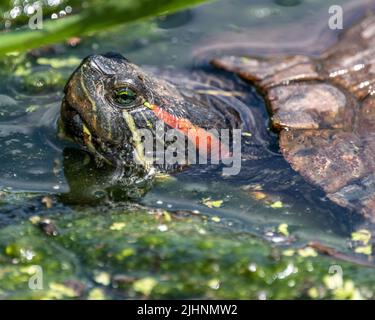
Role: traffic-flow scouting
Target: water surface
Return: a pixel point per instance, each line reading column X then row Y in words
column 35, row 162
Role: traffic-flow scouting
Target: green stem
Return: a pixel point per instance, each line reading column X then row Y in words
column 108, row 14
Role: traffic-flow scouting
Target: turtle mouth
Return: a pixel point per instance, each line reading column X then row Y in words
column 71, row 123
column 73, row 127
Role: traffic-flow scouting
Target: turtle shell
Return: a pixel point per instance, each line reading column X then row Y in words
column 324, row 111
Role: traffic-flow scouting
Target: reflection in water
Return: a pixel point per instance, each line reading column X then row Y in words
column 89, row 184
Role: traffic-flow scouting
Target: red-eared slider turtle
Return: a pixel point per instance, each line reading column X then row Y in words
column 323, row 109
column 108, row 100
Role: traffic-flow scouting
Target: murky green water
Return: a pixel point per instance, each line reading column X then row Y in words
column 101, row 235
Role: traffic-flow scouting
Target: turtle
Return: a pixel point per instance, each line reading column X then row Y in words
column 321, row 108
column 108, row 101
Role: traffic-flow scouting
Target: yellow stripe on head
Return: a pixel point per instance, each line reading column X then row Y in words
column 137, row 141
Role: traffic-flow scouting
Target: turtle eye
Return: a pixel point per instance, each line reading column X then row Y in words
column 125, row 97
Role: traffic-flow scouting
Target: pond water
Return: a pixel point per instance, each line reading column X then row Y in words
column 36, row 162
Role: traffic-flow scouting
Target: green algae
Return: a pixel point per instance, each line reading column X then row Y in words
column 126, row 254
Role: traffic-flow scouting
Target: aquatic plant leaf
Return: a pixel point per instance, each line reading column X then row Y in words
column 283, row 229
column 212, row 203
column 98, row 16
column 362, row 235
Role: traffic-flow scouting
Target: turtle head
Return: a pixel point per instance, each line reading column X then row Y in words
column 107, row 101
